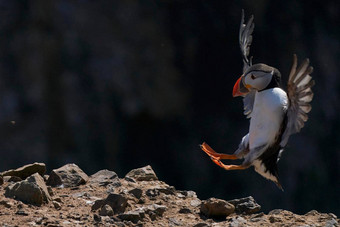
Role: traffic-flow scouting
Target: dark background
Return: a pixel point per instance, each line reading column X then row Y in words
column 123, row 84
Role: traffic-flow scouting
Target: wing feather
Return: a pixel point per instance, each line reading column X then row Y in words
column 245, row 39
column 300, row 95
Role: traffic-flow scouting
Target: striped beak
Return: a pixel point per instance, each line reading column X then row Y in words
column 239, row 88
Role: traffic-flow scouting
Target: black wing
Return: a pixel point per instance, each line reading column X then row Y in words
column 300, row 95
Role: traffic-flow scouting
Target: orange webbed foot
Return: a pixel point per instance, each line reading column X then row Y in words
column 214, row 155
column 229, row 167
column 216, row 158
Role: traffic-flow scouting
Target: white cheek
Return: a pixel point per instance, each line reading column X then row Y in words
column 248, row 81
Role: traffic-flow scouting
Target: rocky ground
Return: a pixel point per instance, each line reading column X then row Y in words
column 68, row 197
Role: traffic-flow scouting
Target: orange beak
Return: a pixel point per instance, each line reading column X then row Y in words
column 239, row 89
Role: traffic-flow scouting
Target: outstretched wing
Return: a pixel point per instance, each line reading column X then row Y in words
column 245, row 39
column 300, row 95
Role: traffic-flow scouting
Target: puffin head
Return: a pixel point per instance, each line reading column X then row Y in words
column 257, row 77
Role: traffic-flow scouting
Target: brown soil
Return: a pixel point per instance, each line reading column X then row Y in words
column 72, row 207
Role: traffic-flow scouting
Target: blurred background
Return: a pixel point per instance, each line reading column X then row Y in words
column 124, row 84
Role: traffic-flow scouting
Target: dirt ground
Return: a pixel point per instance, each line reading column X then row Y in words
column 145, row 203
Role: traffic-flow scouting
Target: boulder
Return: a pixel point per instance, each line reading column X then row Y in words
column 26, row 171
column 136, row 192
column 33, row 190
column 216, row 208
column 69, row 175
column 142, row 174
column 103, row 177
column 245, row 205
column 117, row 202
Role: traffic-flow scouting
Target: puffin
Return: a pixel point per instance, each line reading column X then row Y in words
column 275, row 114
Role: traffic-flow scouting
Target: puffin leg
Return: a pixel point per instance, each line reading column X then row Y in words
column 230, row 167
column 214, row 155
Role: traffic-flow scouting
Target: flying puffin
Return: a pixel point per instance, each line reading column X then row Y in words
column 274, row 113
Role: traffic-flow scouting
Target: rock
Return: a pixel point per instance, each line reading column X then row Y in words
column 195, row 202
column 50, row 190
column 12, row 179
column 152, row 216
column 56, row 205
column 237, row 222
column 201, row 224
column 117, row 202
column 189, row 194
column 98, row 204
column 38, row 180
column 168, row 190
column 257, row 217
column 96, row 218
column 180, row 195
column 40, row 220
column 332, row 215
column 58, row 199
column 245, row 205
column 1, row 180
column 27, row 170
column 152, row 192
column 69, row 175
column 312, row 213
column 184, row 210
column 275, row 211
column 157, row 209
column 6, row 203
column 33, row 190
column 286, row 213
column 153, row 211
column 21, row 212
column 136, row 192
column 133, row 216
column 142, row 174
column 332, row 223
column 129, row 179
column 103, row 177
column 274, row 218
column 175, row 222
column 106, row 210
column 217, row 208
column 113, row 185
column 21, row 205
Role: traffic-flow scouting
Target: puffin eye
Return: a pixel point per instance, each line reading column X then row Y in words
column 252, row 77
